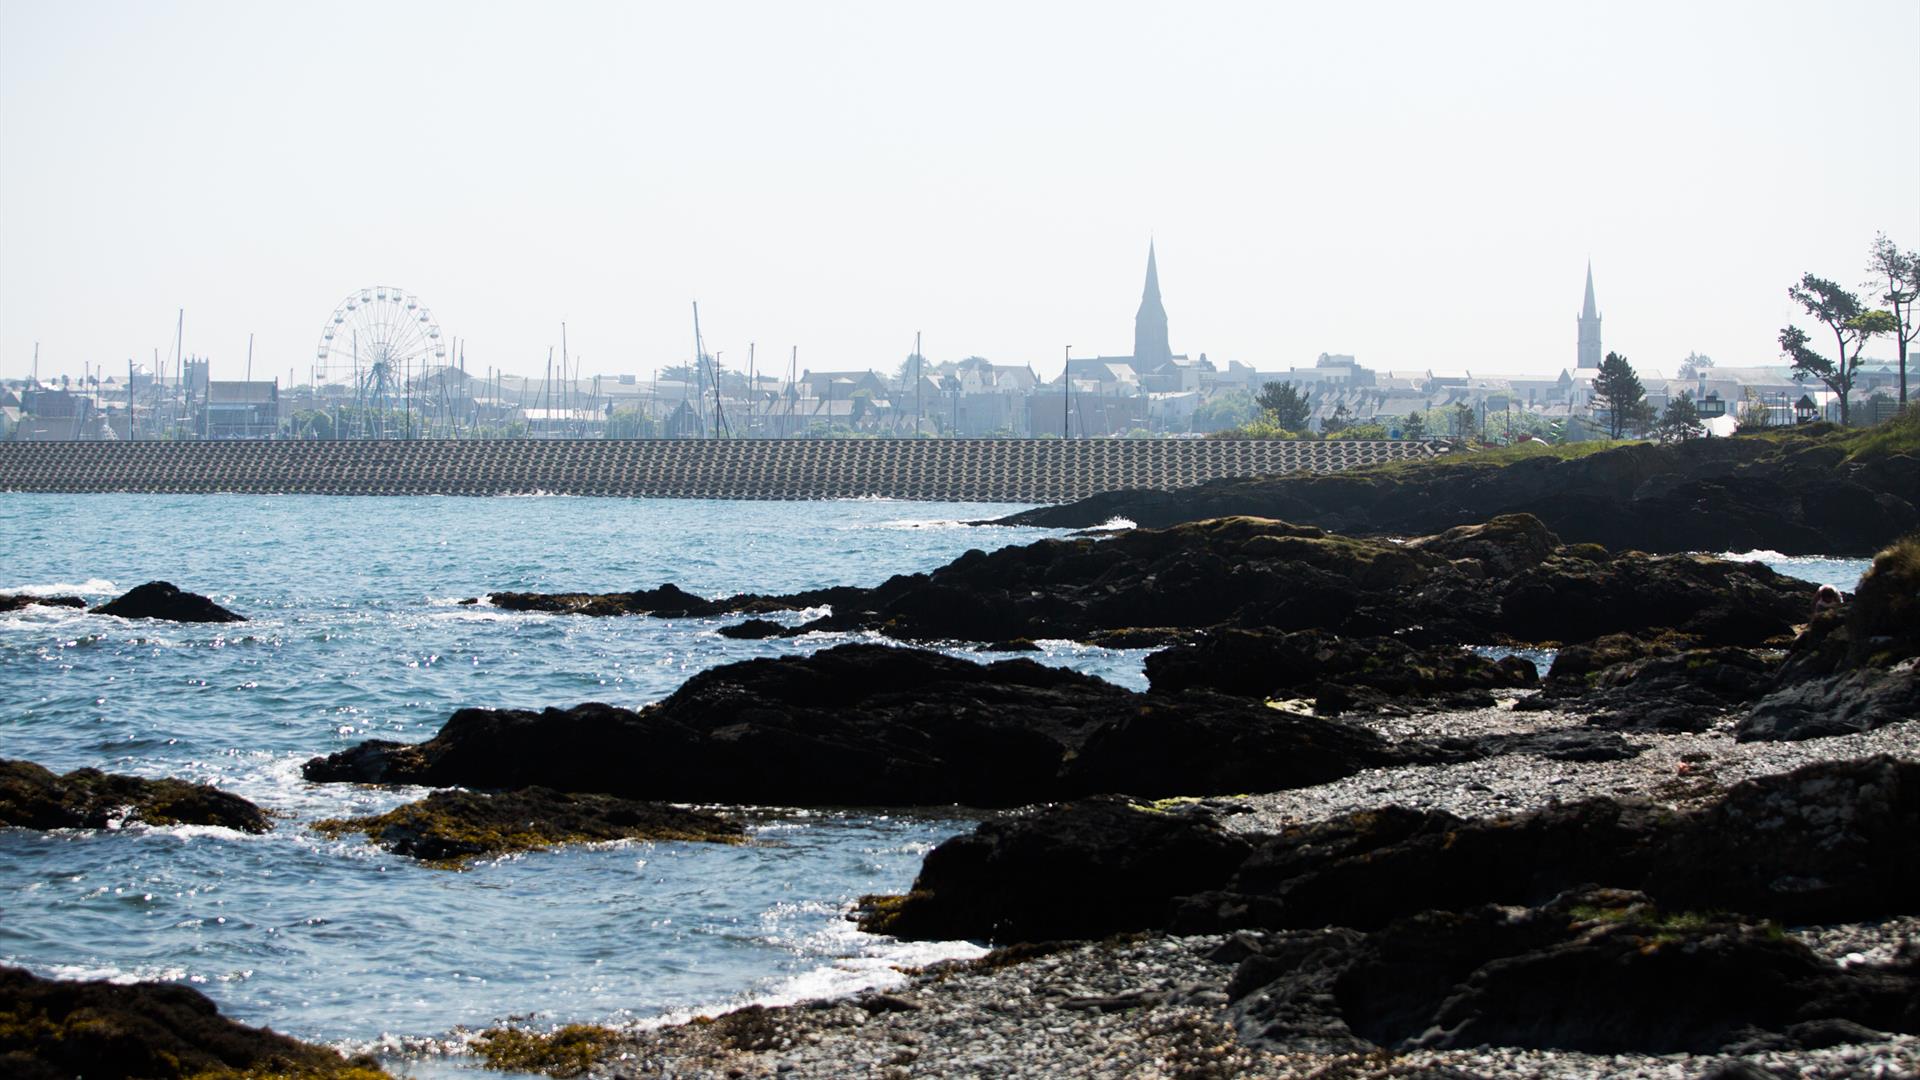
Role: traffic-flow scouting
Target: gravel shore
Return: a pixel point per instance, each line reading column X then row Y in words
column 1152, row 1005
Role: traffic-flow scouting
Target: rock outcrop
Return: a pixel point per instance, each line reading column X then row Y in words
column 1508, row 579
column 33, row 797
column 1832, row 842
column 447, row 828
column 53, row 1030
column 162, row 600
column 882, row 726
column 1596, row 970
column 1856, row 667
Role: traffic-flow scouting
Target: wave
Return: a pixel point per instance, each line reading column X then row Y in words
column 1761, row 555
column 89, row 587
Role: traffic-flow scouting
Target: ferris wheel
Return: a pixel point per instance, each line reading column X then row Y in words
column 376, row 339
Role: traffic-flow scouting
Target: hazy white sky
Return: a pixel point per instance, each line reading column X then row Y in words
column 1418, row 184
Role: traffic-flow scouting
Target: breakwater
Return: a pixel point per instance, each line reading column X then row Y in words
column 958, row 470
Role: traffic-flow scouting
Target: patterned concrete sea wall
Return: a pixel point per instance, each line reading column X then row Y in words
column 985, row 470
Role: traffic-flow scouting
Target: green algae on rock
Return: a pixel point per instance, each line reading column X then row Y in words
column 449, row 827
column 568, row 1052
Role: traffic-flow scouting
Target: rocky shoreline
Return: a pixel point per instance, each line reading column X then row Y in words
column 1329, row 840
column 1163, row 1004
column 1815, row 490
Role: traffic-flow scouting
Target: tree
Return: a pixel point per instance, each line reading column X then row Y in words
column 1288, row 406
column 1681, row 421
column 1617, row 390
column 1901, row 269
column 1853, row 325
column 1229, row 410
column 1414, row 426
column 1463, row 425
column 1695, row 365
column 1341, row 417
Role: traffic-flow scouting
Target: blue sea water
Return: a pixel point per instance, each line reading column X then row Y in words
column 356, row 633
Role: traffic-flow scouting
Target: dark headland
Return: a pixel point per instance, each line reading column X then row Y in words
column 1817, row 490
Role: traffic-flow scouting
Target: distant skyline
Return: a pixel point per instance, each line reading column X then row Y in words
column 1420, row 186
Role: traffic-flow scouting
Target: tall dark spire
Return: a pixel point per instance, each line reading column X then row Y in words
column 1589, row 354
column 1150, row 348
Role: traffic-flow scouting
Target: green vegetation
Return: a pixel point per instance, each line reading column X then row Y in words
column 1681, row 421
column 1617, row 390
column 1285, row 406
column 1852, row 323
column 447, row 828
column 570, row 1051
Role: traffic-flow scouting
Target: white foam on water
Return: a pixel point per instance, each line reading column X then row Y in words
column 1759, row 555
column 89, row 587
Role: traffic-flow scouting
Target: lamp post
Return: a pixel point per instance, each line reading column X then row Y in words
column 1066, row 393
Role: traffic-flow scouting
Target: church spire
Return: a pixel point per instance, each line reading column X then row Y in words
column 1150, row 348
column 1589, row 354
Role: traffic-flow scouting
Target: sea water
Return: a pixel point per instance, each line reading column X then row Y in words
column 356, row 632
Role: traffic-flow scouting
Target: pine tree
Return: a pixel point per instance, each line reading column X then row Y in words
column 1617, row 390
column 1288, row 406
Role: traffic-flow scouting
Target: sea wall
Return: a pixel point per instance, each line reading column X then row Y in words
column 986, row 470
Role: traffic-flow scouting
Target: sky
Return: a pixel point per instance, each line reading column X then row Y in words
column 1420, row 185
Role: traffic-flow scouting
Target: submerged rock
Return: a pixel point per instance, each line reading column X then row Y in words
column 449, row 827
column 35, row 798
column 755, row 630
column 16, row 601
column 53, row 1029
column 883, row 726
column 1600, row 971
column 162, row 600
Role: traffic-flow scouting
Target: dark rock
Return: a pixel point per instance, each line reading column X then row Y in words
column 33, row 797
column 1683, row 692
column 1079, row 870
column 1503, row 546
column 667, row 601
column 1842, row 704
column 1559, row 744
column 52, row 1030
column 877, row 725
column 1854, row 668
column 1260, row 574
column 1368, row 868
column 1739, row 494
column 161, row 600
column 1714, row 600
column 16, row 601
column 755, row 630
column 449, row 827
column 1305, row 662
column 1599, row 971
column 1141, row 637
column 1831, row 842
column 1575, row 662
